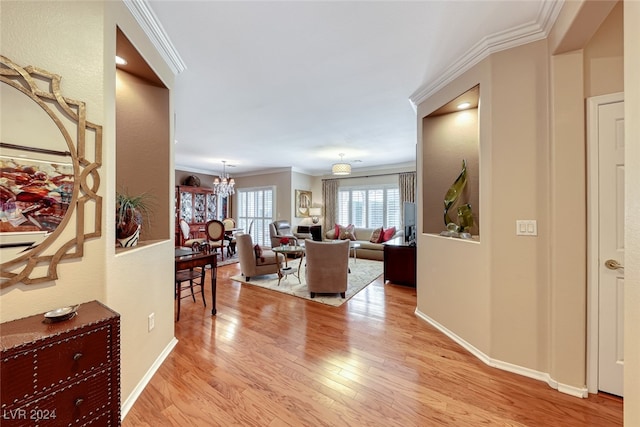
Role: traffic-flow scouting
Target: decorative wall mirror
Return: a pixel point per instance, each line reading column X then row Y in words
column 49, row 160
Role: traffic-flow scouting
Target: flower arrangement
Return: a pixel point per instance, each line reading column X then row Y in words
column 284, row 240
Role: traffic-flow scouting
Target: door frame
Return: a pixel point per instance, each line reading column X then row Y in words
column 593, row 241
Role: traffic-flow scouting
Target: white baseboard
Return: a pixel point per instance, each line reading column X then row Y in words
column 128, row 404
column 581, row 392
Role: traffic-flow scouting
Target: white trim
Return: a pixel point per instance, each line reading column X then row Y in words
column 518, row 36
column 137, row 391
column 593, row 241
column 505, row 366
column 151, row 26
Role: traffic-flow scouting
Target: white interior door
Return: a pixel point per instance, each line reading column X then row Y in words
column 611, row 247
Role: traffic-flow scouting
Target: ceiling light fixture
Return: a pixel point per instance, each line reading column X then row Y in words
column 223, row 185
column 341, row 168
column 464, row 105
column 120, row 60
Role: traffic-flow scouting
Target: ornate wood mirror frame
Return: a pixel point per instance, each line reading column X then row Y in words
column 38, row 262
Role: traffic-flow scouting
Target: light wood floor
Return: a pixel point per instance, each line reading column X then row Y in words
column 269, row 359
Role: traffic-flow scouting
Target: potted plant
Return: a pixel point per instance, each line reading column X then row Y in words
column 130, row 212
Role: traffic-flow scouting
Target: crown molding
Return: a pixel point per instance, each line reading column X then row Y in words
column 149, row 23
column 183, row 168
column 513, row 37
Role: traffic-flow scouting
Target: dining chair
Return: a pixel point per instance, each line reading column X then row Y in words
column 215, row 236
column 195, row 277
column 187, row 239
column 229, row 224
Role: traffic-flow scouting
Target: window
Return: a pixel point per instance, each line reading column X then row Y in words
column 255, row 211
column 369, row 207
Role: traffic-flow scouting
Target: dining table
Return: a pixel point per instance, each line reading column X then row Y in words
column 186, row 258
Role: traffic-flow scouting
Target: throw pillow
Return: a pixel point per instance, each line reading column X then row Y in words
column 258, row 250
column 376, row 235
column 388, row 234
column 336, row 231
column 347, row 233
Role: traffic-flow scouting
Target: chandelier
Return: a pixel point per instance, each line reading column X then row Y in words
column 341, row 168
column 223, row 185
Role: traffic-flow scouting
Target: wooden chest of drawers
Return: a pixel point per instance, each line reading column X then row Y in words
column 64, row 373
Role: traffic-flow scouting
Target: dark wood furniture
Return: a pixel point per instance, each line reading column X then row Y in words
column 313, row 231
column 188, row 260
column 196, row 205
column 400, row 262
column 61, row 373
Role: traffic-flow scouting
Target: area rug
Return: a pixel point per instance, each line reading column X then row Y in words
column 227, row 261
column 363, row 272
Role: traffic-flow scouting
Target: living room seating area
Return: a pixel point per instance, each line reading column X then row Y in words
column 370, row 239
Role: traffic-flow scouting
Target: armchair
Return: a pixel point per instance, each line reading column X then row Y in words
column 279, row 229
column 250, row 264
column 327, row 267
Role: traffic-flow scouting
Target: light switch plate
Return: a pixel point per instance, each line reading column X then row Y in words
column 526, row 227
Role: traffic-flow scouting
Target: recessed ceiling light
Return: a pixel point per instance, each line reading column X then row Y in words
column 120, row 61
column 464, row 105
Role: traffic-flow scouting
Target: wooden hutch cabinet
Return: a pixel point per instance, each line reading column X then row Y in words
column 196, row 205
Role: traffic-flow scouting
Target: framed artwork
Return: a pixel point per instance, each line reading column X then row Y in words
column 303, row 203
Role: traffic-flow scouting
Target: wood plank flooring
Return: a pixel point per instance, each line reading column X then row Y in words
column 269, row 359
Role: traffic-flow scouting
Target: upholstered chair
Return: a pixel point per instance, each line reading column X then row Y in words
column 268, row 262
column 327, row 267
column 229, row 224
column 279, row 229
column 187, row 239
column 215, row 236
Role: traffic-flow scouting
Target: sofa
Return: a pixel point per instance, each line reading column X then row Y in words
column 367, row 250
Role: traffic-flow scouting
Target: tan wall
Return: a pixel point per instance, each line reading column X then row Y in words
column 301, row 181
column 453, row 286
column 632, row 223
column 206, row 181
column 142, row 149
column 31, row 35
column 284, row 194
column 603, row 57
column 568, row 218
column 140, row 281
column 519, row 190
column 526, row 304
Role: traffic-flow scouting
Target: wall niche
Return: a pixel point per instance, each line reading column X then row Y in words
column 143, row 139
column 450, row 135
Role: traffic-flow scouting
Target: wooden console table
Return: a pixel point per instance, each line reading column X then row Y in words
column 400, row 262
column 61, row 373
column 186, row 259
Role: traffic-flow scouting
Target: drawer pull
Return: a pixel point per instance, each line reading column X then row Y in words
column 77, row 356
column 79, row 401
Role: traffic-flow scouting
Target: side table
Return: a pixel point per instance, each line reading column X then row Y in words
column 293, row 250
column 399, row 262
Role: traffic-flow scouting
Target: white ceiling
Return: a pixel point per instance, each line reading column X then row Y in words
column 269, row 85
